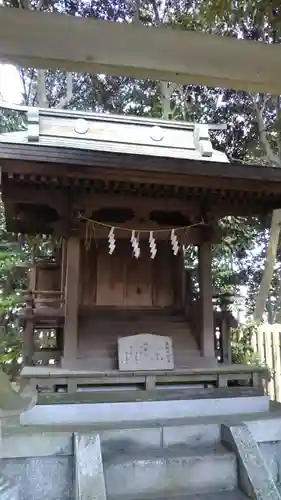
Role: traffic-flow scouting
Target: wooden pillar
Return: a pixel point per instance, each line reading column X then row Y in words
column 178, row 281
column 207, row 343
column 225, row 337
column 28, row 338
column 187, row 294
column 71, row 301
column 63, row 264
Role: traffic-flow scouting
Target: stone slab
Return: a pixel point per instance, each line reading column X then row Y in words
column 44, row 478
column 179, row 470
column 271, row 453
column 193, row 435
column 9, row 490
column 38, row 444
column 90, row 484
column 221, row 495
column 145, row 352
column 103, row 413
column 254, row 475
column 130, row 440
column 264, row 433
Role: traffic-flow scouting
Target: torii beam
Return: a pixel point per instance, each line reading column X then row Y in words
column 52, row 40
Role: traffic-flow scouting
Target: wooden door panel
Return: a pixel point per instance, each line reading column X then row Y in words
column 121, row 280
column 111, row 273
column 138, row 289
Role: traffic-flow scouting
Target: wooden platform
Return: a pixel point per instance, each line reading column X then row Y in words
column 100, row 329
column 52, row 380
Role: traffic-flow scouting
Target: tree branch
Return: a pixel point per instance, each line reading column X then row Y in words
column 42, row 100
column 166, row 88
column 69, row 92
column 136, row 15
column 278, row 121
column 272, row 158
column 156, row 13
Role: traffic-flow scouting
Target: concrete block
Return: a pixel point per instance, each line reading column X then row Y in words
column 43, row 478
column 222, row 495
column 265, row 430
column 90, row 484
column 67, row 414
column 254, row 476
column 130, row 440
column 9, row 490
column 37, row 444
column 171, row 471
column 193, row 435
column 271, row 456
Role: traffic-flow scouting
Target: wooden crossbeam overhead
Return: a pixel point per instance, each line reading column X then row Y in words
column 46, row 40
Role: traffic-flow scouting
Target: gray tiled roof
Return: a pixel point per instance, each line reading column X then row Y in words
column 116, row 134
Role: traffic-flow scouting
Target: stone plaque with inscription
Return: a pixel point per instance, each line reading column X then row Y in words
column 145, row 352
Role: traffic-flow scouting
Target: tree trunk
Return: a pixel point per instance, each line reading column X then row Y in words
column 265, row 284
column 274, row 233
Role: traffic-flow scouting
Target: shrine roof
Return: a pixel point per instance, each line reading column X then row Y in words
column 72, row 130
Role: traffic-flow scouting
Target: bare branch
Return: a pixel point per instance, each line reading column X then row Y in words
column 69, row 92
column 40, row 5
column 166, row 90
column 136, row 15
column 278, row 120
column 156, row 13
column 24, row 4
column 272, row 158
column 270, row 260
column 25, row 91
column 42, row 100
column 183, row 101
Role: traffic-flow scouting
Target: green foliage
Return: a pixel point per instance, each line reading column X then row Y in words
column 242, row 350
column 10, row 121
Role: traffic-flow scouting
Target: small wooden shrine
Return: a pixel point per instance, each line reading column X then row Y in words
column 123, row 197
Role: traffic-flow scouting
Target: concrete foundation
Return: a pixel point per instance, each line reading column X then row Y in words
column 77, row 414
column 188, row 457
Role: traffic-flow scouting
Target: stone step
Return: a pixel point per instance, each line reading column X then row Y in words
column 222, row 495
column 176, row 470
column 155, row 411
column 128, row 440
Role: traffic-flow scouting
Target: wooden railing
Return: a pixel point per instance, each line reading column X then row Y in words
column 35, row 301
column 267, row 344
column 223, row 322
column 221, row 377
column 47, row 298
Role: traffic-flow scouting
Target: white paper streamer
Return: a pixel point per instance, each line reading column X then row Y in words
column 111, row 241
column 135, row 245
column 152, row 245
column 175, row 242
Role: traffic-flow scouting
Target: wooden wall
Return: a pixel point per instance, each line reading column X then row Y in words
column 99, row 332
column 47, row 278
column 120, row 280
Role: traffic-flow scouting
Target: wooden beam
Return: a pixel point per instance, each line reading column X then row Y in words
column 207, row 339
column 82, row 199
column 90, row 201
column 71, row 300
column 14, row 193
column 137, row 51
column 55, row 162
